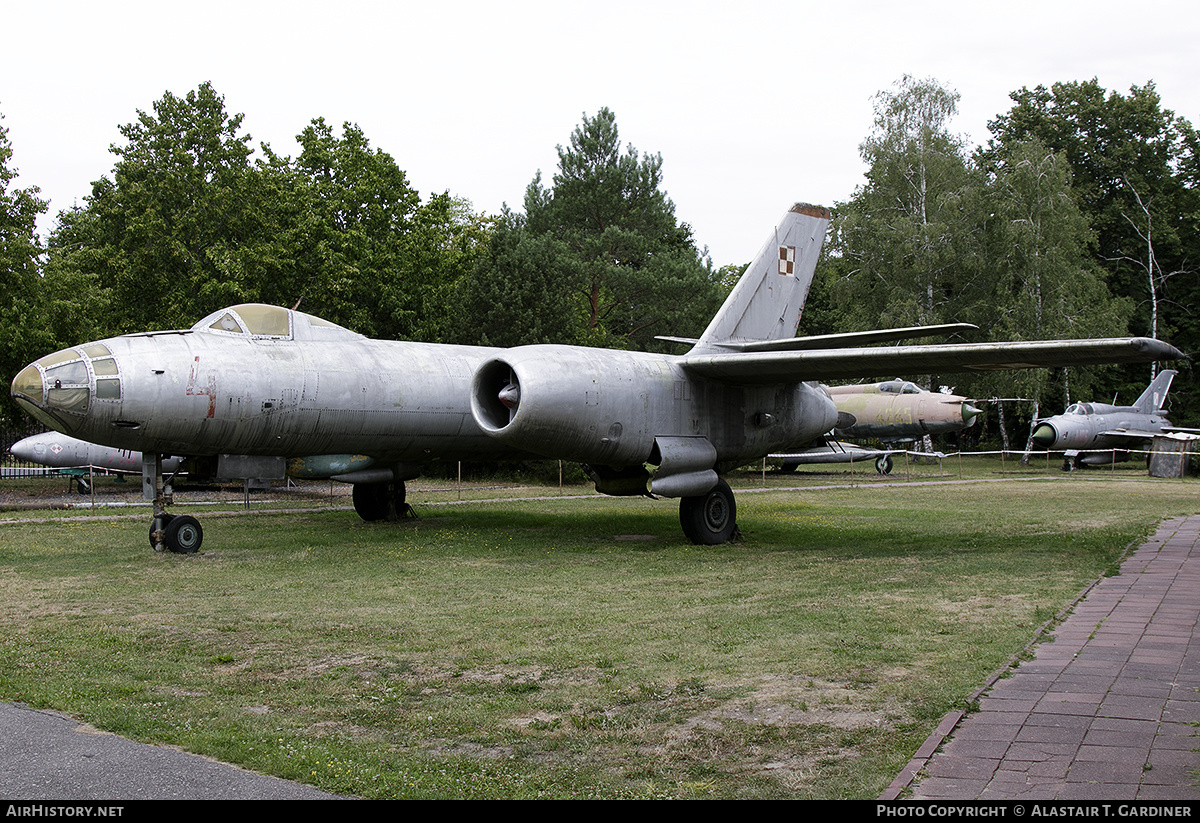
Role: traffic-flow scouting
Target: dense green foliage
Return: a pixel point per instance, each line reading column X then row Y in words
column 1079, row 219
column 1136, row 178
column 598, row 259
column 22, row 333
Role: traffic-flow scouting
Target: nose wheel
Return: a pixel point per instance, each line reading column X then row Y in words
column 181, row 534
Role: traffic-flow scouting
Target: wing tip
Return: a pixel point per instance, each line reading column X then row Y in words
column 1152, row 345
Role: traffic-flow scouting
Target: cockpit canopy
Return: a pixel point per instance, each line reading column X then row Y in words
column 898, row 387
column 263, row 322
column 1079, row 408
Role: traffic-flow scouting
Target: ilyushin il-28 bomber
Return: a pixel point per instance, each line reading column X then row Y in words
column 267, row 384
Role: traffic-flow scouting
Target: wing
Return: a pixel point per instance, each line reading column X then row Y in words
column 1130, row 435
column 856, row 363
column 1137, row 436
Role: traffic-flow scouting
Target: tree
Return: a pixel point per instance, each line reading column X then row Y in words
column 1046, row 284
column 189, row 223
column 355, row 245
column 1134, row 167
column 354, row 207
column 608, row 233
column 902, row 248
column 23, row 335
column 169, row 234
column 902, row 232
column 515, row 295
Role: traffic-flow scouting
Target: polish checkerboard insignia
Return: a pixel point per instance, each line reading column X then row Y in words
column 787, row 259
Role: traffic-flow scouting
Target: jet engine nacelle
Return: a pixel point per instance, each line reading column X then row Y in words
column 577, row 404
column 616, row 409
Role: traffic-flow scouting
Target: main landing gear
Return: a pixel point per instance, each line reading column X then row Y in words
column 381, row 501
column 176, row 533
column 710, row 519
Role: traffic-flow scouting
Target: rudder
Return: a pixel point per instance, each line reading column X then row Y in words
column 766, row 302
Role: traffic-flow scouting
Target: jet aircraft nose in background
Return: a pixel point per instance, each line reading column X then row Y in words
column 1044, row 436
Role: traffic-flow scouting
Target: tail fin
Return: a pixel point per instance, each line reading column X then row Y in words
column 767, row 300
column 1155, row 395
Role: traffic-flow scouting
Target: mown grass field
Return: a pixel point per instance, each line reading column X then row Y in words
column 570, row 647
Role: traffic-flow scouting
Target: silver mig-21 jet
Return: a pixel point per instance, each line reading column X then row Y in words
column 1092, row 434
column 269, row 383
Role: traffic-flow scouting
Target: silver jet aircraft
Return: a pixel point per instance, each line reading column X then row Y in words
column 58, row 451
column 1100, row 433
column 265, row 382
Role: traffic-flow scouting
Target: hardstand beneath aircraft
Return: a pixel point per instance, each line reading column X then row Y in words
column 266, row 381
column 1092, row 434
column 893, row 411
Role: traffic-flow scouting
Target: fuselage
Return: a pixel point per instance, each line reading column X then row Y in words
column 900, row 410
column 60, row 451
column 261, row 380
column 209, row 391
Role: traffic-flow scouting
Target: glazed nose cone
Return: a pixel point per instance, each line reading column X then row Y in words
column 55, row 390
column 27, row 387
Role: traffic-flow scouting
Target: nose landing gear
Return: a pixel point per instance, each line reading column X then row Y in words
column 180, row 534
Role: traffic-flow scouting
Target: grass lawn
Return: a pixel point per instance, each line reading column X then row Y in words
column 566, row 646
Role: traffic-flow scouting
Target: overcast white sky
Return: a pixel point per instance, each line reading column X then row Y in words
column 753, row 105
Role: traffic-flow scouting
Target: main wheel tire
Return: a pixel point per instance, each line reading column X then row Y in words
column 184, row 535
column 709, row 519
column 883, row 464
column 379, row 501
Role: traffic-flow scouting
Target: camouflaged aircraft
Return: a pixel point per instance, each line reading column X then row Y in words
column 266, row 386
column 891, row 411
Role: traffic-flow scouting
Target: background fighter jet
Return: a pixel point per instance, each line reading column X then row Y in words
column 1099, row 433
column 268, row 382
column 899, row 410
column 58, row 451
column 893, row 411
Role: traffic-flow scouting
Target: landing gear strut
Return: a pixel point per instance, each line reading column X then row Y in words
column 709, row 519
column 179, row 534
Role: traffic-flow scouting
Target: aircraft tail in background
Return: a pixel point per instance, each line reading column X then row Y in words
column 1155, row 395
